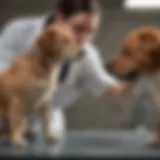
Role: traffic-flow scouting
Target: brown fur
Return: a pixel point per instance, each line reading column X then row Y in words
column 140, row 52
column 28, row 85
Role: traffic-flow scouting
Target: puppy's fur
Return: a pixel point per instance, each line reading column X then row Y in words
column 140, row 55
column 28, row 85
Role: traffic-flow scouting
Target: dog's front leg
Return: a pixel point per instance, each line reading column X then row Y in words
column 154, row 141
column 155, row 97
column 46, row 111
column 17, row 122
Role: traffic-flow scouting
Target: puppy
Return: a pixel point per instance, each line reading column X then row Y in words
column 28, row 85
column 139, row 55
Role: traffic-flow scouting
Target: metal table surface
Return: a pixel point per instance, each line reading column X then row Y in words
column 88, row 143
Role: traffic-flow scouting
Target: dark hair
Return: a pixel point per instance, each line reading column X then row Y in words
column 70, row 7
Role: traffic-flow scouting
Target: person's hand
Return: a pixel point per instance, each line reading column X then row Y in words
column 120, row 90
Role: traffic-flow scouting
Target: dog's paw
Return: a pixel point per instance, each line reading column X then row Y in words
column 154, row 143
column 20, row 142
column 52, row 138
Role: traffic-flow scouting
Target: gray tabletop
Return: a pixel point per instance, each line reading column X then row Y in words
column 88, row 143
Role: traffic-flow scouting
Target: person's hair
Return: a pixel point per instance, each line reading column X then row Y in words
column 71, row 7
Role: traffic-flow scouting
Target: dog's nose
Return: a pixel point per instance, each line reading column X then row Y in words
column 131, row 76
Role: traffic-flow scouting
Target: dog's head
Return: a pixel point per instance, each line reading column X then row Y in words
column 58, row 41
column 139, row 54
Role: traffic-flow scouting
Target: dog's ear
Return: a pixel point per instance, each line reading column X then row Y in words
column 144, row 36
column 150, row 37
column 46, row 40
column 155, row 58
column 148, row 34
column 155, row 53
column 51, row 33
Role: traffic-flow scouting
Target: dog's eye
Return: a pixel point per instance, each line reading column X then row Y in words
column 126, row 51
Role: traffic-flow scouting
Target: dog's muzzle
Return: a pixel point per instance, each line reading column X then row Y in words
column 130, row 76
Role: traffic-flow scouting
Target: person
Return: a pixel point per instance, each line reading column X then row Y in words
column 86, row 72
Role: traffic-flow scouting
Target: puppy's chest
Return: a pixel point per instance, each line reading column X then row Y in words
column 44, row 89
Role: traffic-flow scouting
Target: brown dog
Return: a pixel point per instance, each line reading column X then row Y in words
column 28, row 85
column 140, row 55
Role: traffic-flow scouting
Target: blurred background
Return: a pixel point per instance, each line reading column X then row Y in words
column 88, row 112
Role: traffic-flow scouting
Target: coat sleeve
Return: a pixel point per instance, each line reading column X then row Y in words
column 12, row 39
column 97, row 80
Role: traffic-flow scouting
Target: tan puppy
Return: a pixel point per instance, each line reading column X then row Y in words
column 28, row 85
column 140, row 55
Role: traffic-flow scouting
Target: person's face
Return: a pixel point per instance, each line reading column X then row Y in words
column 84, row 26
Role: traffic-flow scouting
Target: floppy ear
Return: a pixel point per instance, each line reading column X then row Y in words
column 148, row 35
column 144, row 36
column 46, row 40
column 156, row 52
column 155, row 56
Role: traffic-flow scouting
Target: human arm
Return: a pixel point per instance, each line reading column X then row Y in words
column 98, row 80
